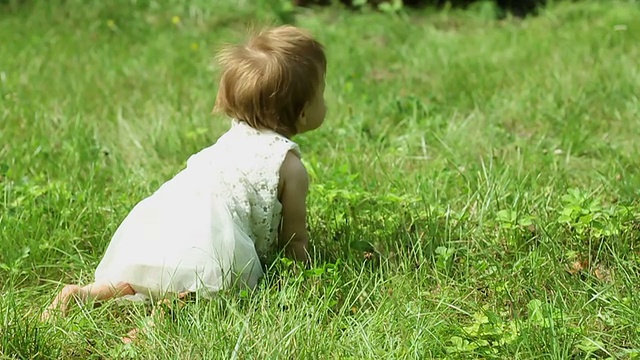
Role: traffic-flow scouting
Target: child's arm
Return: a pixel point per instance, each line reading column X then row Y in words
column 294, row 182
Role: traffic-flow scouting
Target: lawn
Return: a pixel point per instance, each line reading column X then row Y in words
column 474, row 188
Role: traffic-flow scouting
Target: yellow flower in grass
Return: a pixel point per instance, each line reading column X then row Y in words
column 175, row 20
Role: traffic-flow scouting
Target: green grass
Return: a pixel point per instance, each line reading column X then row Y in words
column 475, row 187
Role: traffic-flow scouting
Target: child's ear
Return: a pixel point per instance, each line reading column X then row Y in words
column 302, row 118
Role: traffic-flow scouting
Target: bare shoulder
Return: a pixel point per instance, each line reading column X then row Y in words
column 293, row 173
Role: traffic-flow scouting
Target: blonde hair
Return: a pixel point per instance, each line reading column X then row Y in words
column 267, row 81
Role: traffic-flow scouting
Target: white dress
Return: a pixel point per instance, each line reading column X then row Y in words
column 210, row 226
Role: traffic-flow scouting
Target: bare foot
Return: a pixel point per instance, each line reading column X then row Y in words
column 158, row 311
column 61, row 302
column 166, row 304
column 131, row 336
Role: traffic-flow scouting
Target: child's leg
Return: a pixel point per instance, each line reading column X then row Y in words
column 91, row 292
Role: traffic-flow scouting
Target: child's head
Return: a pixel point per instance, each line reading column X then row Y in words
column 274, row 81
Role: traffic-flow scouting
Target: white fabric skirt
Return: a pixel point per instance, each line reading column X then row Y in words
column 179, row 241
